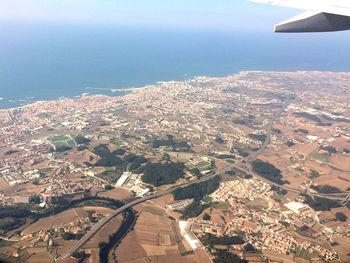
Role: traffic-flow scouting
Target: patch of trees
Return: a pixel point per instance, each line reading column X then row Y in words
column 219, row 140
column 223, row 256
column 171, row 142
column 258, row 137
column 119, row 152
column 302, row 131
column 329, row 149
column 321, row 204
column 339, row 216
column 268, row 171
column 307, row 116
column 11, row 152
column 278, row 131
column 226, row 156
column 128, row 223
column 70, row 236
column 80, row 139
column 196, row 172
column 159, row 174
column 206, row 217
column 211, row 240
column 194, row 209
column 9, row 224
column 290, row 143
column 108, row 159
column 326, row 189
column 197, row 191
column 63, row 148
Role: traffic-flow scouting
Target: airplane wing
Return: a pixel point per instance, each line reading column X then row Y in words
column 322, row 15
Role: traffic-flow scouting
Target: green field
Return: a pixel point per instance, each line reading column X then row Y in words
column 58, row 138
column 5, row 243
column 207, row 199
column 203, row 165
column 62, row 140
column 320, row 157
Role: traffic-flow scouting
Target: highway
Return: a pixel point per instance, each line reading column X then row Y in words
column 253, row 155
column 105, row 220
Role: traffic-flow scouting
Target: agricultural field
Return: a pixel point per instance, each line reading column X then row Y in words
column 154, row 237
column 116, row 193
column 323, row 157
column 104, row 233
column 62, row 140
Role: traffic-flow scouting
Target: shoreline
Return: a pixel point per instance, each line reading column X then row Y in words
column 83, row 95
column 134, row 89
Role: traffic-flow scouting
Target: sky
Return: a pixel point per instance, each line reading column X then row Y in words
column 205, row 14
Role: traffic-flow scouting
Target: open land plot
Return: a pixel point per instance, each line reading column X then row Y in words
column 343, row 248
column 64, row 218
column 105, row 232
column 42, row 256
column 341, row 162
column 81, row 156
column 306, row 149
column 3, row 184
column 117, row 193
column 153, row 237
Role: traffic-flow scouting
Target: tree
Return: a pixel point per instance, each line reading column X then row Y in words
column 339, row 216
column 206, row 217
column 80, row 139
column 159, row 174
column 219, row 140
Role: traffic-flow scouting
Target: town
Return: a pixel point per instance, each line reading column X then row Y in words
column 272, row 150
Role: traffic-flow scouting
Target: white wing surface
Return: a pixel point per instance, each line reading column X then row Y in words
column 322, row 15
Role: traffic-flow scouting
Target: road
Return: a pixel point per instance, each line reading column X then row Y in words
column 253, row 155
column 105, row 220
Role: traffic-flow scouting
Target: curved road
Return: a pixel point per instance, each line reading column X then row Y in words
column 105, row 220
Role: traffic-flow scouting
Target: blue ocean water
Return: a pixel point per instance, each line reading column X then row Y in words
column 40, row 62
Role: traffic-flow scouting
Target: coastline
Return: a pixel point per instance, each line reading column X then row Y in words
column 85, row 94
column 158, row 83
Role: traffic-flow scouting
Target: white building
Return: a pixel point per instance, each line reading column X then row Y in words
column 191, row 238
column 296, row 207
column 122, row 180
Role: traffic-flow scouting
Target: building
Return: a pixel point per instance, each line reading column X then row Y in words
column 21, row 199
column 179, row 204
column 191, row 238
column 297, row 207
column 122, row 180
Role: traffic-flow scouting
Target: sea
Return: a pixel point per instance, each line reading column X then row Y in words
column 51, row 61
